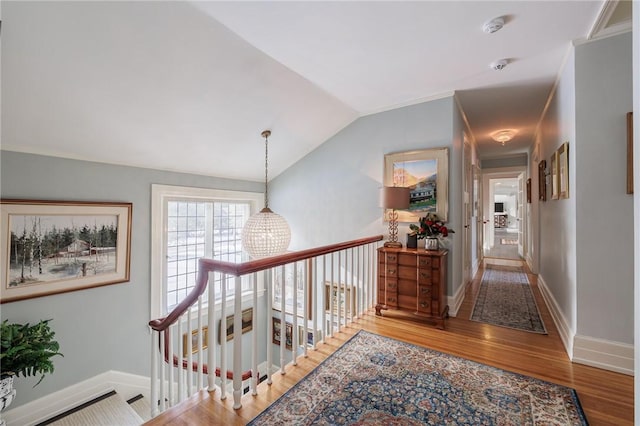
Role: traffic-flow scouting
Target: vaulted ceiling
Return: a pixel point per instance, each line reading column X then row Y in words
column 189, row 86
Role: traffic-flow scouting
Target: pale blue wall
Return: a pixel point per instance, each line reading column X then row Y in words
column 332, row 194
column 103, row 328
column 557, row 217
column 604, row 209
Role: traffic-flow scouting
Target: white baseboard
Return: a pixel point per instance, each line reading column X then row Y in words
column 563, row 326
column 529, row 261
column 456, row 301
column 34, row 412
column 606, row 354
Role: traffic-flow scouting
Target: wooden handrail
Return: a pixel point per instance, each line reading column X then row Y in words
column 237, row 269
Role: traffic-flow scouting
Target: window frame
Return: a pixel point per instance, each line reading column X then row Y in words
column 160, row 196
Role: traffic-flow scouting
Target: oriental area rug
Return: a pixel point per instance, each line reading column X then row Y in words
column 506, row 299
column 375, row 380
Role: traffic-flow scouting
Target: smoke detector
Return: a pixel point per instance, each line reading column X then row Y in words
column 493, row 25
column 499, row 65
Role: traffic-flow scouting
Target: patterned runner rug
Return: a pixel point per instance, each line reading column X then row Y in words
column 506, row 299
column 375, row 380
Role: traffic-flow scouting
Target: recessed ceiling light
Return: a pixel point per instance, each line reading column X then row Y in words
column 493, row 25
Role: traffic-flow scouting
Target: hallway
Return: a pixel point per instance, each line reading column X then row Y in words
column 505, row 244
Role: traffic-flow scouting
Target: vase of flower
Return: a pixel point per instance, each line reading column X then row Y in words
column 412, row 241
column 431, row 243
column 431, row 229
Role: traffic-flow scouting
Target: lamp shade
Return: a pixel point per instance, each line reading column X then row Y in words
column 265, row 234
column 395, row 197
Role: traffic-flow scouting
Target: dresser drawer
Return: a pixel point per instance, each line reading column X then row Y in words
column 407, row 259
column 424, row 276
column 389, row 258
column 424, row 306
column 425, row 261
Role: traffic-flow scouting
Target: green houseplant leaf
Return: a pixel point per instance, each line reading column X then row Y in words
column 26, row 350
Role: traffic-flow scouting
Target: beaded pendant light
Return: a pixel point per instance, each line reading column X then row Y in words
column 266, row 233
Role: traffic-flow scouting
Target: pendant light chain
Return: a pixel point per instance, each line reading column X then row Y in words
column 266, row 170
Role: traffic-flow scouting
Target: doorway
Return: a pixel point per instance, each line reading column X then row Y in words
column 504, row 227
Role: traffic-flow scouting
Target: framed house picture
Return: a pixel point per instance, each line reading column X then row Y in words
column 554, row 176
column 347, row 297
column 194, row 341
column 563, row 170
column 309, row 339
column 542, row 180
column 55, row 247
column 426, row 173
column 277, row 333
column 247, row 324
column 529, row 190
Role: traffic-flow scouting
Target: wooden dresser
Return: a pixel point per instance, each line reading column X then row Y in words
column 413, row 280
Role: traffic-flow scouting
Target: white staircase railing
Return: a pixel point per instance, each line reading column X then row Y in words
column 294, row 300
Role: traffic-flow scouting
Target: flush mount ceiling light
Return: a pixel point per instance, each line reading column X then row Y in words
column 266, row 233
column 493, row 25
column 499, row 65
column 503, row 136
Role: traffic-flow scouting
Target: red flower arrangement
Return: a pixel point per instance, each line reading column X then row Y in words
column 430, row 226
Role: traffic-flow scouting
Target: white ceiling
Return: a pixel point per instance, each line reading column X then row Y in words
column 189, row 86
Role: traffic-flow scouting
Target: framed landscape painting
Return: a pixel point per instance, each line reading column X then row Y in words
column 426, row 173
column 51, row 247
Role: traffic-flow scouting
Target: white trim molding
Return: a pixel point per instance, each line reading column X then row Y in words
column 37, row 411
column 563, row 326
column 456, row 301
column 606, row 354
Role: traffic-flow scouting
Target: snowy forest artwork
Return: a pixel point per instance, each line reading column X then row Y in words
column 56, row 247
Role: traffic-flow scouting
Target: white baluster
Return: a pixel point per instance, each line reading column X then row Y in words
column 255, row 374
column 211, row 321
column 340, row 288
column 269, row 284
column 199, row 374
column 314, row 296
column 163, row 405
column 283, row 323
column 223, row 337
column 155, row 341
column 322, row 298
column 331, row 308
column 172, row 338
column 294, row 331
column 237, row 344
column 189, row 371
column 181, row 372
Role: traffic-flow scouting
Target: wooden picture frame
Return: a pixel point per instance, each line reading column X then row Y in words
column 542, row 180
column 563, row 170
column 630, row 153
column 529, row 190
column 331, row 292
column 277, row 332
column 53, row 247
column 194, row 341
column 247, row 324
column 554, row 176
column 426, row 173
column 309, row 338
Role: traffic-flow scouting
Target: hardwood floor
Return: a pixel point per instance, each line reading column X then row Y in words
column 606, row 397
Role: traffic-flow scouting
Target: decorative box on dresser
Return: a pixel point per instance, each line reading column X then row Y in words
column 413, row 280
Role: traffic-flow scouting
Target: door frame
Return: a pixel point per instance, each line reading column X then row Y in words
column 487, row 196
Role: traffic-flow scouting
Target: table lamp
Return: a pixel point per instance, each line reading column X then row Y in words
column 394, row 198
